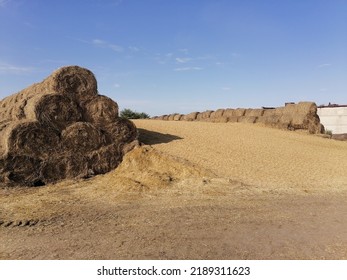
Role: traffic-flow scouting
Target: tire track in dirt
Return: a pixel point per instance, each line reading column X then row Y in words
column 20, row 223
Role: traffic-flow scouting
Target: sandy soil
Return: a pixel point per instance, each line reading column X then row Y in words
column 204, row 191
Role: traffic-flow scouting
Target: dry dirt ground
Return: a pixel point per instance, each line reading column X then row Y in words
column 195, row 191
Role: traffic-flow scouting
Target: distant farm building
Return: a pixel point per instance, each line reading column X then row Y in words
column 333, row 117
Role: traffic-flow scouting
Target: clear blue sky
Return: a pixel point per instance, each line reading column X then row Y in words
column 166, row 56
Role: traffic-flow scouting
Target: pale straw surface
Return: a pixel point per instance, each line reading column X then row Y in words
column 256, row 155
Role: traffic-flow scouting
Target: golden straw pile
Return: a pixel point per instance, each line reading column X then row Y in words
column 61, row 128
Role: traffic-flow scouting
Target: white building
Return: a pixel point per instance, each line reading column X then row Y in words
column 334, row 118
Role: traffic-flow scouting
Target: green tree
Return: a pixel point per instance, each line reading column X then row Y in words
column 130, row 114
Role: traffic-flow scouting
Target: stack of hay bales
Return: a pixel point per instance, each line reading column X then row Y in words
column 301, row 116
column 217, row 116
column 204, row 116
column 177, row 117
column 190, row 117
column 251, row 115
column 171, row 117
column 234, row 115
column 61, row 128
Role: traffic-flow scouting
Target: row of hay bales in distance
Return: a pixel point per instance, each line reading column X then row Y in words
column 301, row 116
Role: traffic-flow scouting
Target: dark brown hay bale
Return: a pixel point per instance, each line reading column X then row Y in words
column 43, row 135
column 68, row 165
column 101, row 110
column 76, row 82
column 12, row 108
column 171, row 117
column 53, row 169
column 21, row 170
column 2, row 166
column 83, row 137
column 122, row 131
column 15, row 112
column 165, row 118
column 76, row 166
column 29, row 138
column 54, row 110
column 254, row 112
column 96, row 162
column 191, row 116
column 105, row 159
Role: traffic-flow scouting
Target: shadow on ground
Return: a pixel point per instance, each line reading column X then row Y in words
column 341, row 137
column 151, row 137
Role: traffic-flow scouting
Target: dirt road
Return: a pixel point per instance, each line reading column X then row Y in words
column 206, row 191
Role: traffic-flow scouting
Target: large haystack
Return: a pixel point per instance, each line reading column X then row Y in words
column 61, row 128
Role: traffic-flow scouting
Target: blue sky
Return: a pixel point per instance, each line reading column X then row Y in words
column 166, row 56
